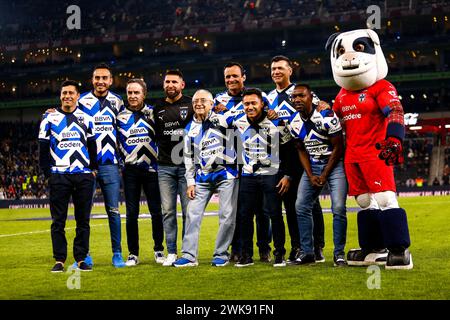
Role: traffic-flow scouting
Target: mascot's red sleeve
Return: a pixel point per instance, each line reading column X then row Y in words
column 389, row 103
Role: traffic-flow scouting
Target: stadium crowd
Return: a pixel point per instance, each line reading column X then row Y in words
column 25, row 21
column 20, row 177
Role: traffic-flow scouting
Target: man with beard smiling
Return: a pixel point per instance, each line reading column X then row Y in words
column 172, row 114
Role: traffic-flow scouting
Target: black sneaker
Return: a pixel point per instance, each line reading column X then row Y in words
column 279, row 261
column 83, row 266
column 305, row 259
column 293, row 255
column 318, row 255
column 244, row 261
column 58, row 267
column 265, row 256
column 339, row 260
column 402, row 260
column 234, row 256
column 361, row 257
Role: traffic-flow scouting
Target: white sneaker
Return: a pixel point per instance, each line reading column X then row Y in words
column 171, row 258
column 159, row 257
column 132, row 261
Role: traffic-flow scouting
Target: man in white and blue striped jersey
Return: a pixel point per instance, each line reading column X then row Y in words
column 136, row 136
column 210, row 160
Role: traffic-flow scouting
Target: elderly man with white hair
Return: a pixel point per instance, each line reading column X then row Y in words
column 210, row 161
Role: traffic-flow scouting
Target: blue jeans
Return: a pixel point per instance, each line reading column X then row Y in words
column 228, row 192
column 108, row 178
column 172, row 182
column 307, row 195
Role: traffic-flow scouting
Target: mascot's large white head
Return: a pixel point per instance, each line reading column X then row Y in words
column 356, row 59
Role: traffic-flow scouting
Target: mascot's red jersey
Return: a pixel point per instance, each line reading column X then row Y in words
column 363, row 114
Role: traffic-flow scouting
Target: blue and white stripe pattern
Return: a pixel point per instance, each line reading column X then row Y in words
column 136, row 135
column 209, row 152
column 260, row 154
column 104, row 113
column 315, row 133
column 68, row 135
column 280, row 101
column 233, row 103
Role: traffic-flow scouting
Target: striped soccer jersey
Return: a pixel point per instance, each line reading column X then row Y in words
column 260, row 154
column 136, row 136
column 104, row 112
column 68, row 135
column 209, row 151
column 280, row 101
column 315, row 133
column 233, row 103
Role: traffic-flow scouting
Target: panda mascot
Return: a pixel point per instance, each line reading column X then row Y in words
column 372, row 117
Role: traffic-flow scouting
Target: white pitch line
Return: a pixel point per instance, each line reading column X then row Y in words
column 42, row 231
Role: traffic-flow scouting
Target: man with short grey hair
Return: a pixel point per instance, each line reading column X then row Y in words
column 210, row 161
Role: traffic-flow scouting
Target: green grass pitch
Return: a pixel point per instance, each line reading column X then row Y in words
column 26, row 259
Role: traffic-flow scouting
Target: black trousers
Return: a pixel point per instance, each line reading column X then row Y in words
column 291, row 217
column 263, row 229
column 135, row 179
column 265, row 185
column 62, row 187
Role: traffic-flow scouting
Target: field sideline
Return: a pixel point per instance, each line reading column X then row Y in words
column 26, row 259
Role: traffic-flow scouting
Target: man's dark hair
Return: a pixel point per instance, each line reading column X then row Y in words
column 303, row 85
column 174, row 72
column 103, row 66
column 140, row 82
column 237, row 64
column 251, row 91
column 281, row 58
column 71, row 83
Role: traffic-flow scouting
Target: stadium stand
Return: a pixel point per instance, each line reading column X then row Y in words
column 20, row 177
column 417, row 151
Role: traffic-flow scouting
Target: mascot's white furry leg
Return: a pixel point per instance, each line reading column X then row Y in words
column 381, row 224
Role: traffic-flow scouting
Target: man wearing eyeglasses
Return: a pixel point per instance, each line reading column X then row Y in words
column 210, row 161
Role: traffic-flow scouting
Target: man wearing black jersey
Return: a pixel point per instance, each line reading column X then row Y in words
column 172, row 114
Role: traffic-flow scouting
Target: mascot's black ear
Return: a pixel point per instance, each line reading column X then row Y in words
column 330, row 40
